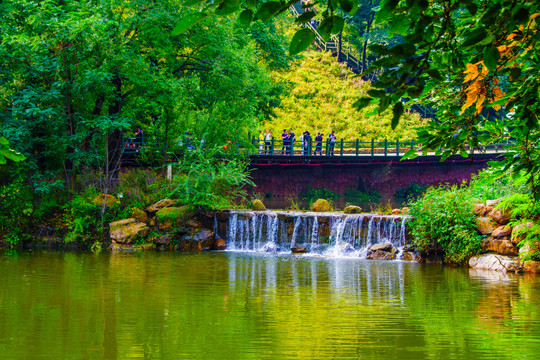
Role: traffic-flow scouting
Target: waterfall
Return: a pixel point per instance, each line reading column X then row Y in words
column 331, row 234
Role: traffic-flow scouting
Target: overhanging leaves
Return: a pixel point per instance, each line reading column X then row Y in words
column 301, row 41
column 187, row 22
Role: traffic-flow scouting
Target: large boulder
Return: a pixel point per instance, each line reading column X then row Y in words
column 529, row 249
column 381, row 247
column 396, row 211
column 519, row 232
column 485, row 226
column 502, row 231
column 203, row 239
column 170, row 217
column 494, row 262
column 381, row 255
column 411, row 256
column 139, row 215
column 105, row 199
column 531, row 266
column 320, row 205
column 127, row 231
column 220, row 244
column 500, row 217
column 352, row 209
column 160, row 205
column 480, row 209
column 501, row 246
column 258, row 205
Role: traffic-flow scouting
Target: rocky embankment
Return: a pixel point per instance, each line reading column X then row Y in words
column 503, row 245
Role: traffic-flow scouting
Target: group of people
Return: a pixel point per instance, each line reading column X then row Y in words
column 289, row 138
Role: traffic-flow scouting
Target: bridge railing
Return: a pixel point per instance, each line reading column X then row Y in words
column 341, row 147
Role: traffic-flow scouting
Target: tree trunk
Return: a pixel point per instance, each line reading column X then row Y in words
column 368, row 29
column 114, row 138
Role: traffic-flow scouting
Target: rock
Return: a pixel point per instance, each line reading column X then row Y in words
column 223, row 215
column 152, row 222
column 410, row 256
column 396, row 211
column 494, row 262
column 201, row 240
column 531, row 266
column 492, row 203
column 258, row 205
column 500, row 217
column 323, row 219
column 105, row 199
column 484, row 225
column 502, row 231
column 298, row 250
column 501, row 246
column 320, row 205
column 139, row 215
column 165, row 203
column 394, row 250
column 352, row 209
column 405, row 210
column 127, row 231
column 381, row 247
column 144, row 247
column 220, row 244
column 480, row 209
column 528, row 249
column 381, row 255
column 344, row 248
column 163, row 239
column 518, row 234
column 195, row 224
column 116, row 248
column 170, row 217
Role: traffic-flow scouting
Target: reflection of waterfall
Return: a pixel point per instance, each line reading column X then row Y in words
column 324, row 233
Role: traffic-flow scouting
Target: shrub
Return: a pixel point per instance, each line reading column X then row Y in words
column 443, row 216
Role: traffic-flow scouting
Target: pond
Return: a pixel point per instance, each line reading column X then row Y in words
column 237, row 305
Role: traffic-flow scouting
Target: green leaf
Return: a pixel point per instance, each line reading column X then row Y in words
column 267, row 10
column 435, row 74
column 192, row 2
column 349, row 6
column 475, row 36
column 387, row 7
column 251, row 4
column 7, row 153
column 227, row 7
column 245, row 17
column 376, row 93
column 305, row 17
column 397, row 110
column 187, row 22
column 329, row 26
column 411, row 154
column 362, row 103
column 464, row 153
column 515, row 74
column 491, row 57
column 301, row 41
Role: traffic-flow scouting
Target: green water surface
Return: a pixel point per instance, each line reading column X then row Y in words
column 67, row 305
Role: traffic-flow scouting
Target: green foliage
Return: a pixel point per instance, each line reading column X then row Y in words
column 357, row 196
column 88, row 222
column 7, row 153
column 411, row 192
column 208, row 180
column 443, row 216
column 320, row 96
column 311, row 195
column 16, row 211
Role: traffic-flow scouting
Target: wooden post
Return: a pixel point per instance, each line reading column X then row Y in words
column 397, row 147
column 357, row 148
column 385, row 147
column 272, row 147
column 372, row 147
column 341, row 147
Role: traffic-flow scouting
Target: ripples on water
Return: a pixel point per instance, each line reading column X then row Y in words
column 255, row 306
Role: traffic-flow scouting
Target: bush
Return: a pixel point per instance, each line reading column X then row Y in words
column 16, row 209
column 443, row 216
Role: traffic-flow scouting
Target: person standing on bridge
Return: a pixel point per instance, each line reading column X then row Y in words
column 332, row 141
column 318, row 143
column 285, row 140
column 292, row 139
column 267, row 141
column 261, row 142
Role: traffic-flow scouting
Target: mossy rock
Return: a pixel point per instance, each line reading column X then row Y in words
column 320, row 205
column 352, row 209
column 139, row 215
column 106, row 199
column 170, row 217
column 160, row 205
column 258, row 205
column 127, row 231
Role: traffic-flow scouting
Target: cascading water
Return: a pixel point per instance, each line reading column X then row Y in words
column 332, row 234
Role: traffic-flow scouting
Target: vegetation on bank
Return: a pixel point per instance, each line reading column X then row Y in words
column 444, row 218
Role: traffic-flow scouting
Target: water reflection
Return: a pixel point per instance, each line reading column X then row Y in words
column 245, row 306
